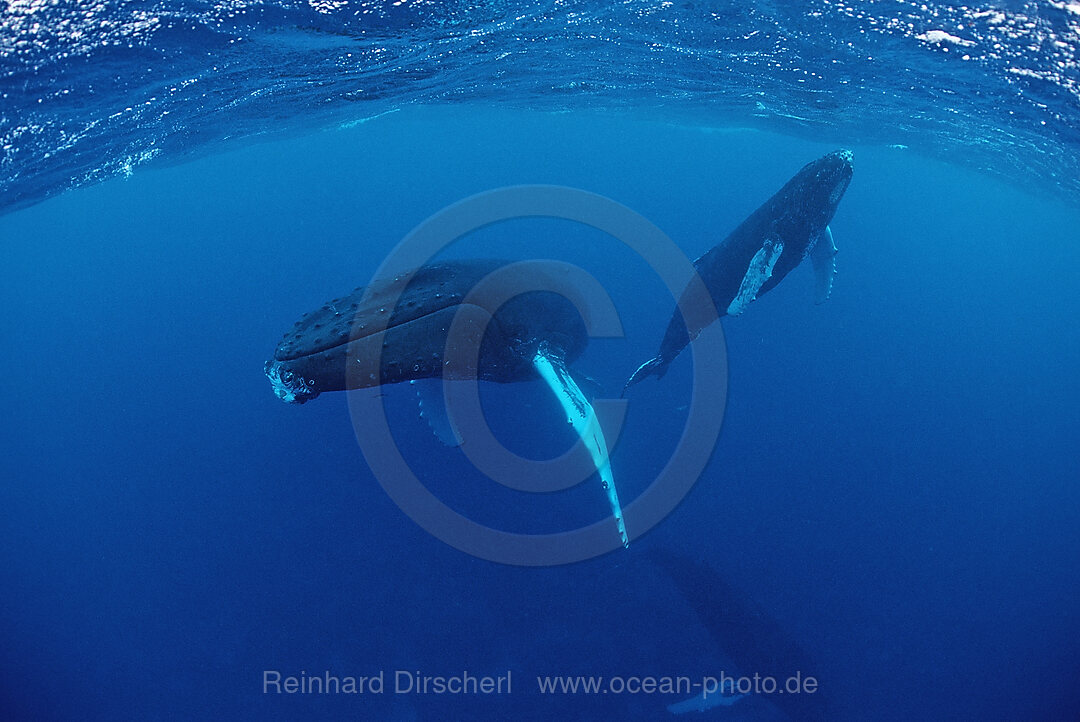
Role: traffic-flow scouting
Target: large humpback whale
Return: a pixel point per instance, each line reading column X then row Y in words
column 450, row 321
column 405, row 322
column 790, row 226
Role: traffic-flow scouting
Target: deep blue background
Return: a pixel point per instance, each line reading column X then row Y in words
column 895, row 482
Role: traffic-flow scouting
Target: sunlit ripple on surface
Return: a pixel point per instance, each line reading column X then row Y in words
column 93, row 89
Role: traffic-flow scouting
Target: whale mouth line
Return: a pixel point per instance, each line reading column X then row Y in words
column 362, row 332
column 288, row 386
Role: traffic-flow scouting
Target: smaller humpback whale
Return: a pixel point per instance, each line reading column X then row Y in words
column 790, row 226
column 441, row 321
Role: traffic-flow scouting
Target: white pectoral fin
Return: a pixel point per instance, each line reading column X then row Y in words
column 823, row 257
column 704, row 701
column 757, row 273
column 583, row 418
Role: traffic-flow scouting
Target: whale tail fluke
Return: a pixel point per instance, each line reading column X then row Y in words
column 653, row 367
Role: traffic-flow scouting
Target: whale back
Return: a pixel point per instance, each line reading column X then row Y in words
column 423, row 324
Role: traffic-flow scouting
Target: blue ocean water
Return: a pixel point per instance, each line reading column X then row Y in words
column 895, row 482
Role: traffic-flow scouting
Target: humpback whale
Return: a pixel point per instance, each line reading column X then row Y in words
column 756, row 642
column 790, row 226
column 448, row 320
column 410, row 337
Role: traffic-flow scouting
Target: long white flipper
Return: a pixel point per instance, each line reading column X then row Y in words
column 759, row 271
column 823, row 256
column 583, row 418
column 704, row 701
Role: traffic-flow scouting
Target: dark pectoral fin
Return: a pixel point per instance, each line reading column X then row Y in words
column 823, row 257
column 432, row 406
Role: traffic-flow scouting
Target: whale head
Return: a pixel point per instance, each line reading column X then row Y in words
column 810, row 198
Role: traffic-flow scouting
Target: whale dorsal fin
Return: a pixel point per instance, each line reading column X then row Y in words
column 823, row 257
